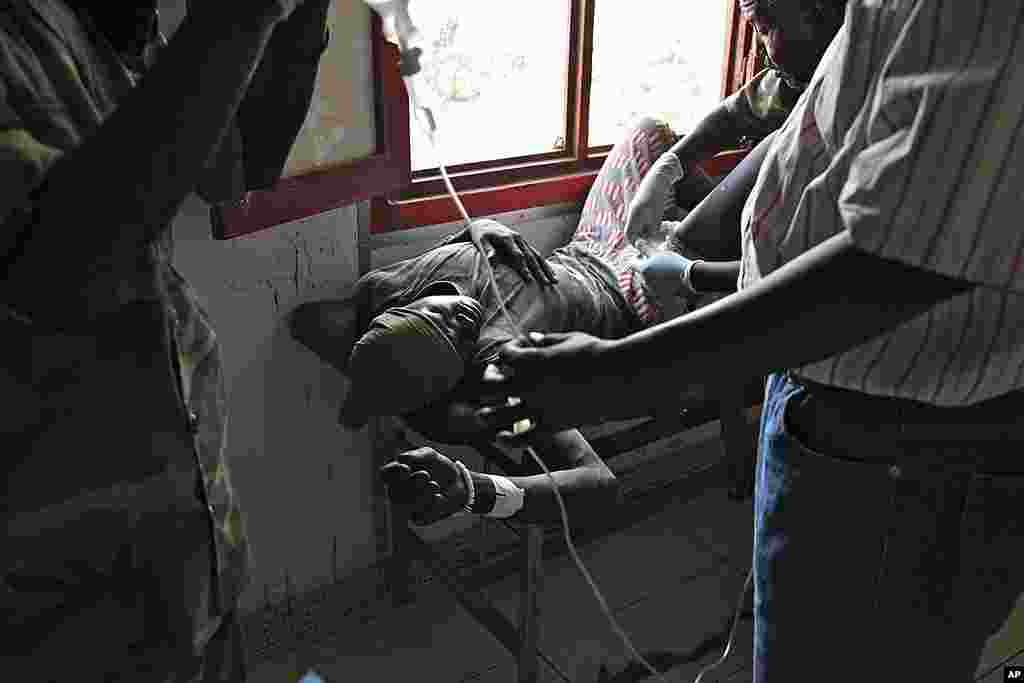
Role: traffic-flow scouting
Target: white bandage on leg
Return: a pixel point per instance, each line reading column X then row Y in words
column 643, row 217
column 509, row 497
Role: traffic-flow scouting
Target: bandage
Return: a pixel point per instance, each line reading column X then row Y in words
column 652, row 196
column 509, row 498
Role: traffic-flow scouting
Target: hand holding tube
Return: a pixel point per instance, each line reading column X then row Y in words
column 564, row 380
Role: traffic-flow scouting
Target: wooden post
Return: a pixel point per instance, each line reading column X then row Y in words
column 529, row 606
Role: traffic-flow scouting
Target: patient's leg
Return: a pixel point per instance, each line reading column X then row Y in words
column 603, row 221
column 712, row 229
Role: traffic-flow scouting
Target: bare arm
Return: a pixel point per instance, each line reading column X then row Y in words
column 827, row 300
column 429, row 486
column 712, row 229
column 715, row 276
column 587, row 486
column 814, row 297
column 713, row 134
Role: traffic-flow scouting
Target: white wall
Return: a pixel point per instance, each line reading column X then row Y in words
column 303, row 481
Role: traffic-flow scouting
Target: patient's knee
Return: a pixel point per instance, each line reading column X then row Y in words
column 653, row 134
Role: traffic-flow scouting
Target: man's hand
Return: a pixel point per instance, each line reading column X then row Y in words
column 427, row 483
column 513, row 250
column 562, row 380
column 666, row 276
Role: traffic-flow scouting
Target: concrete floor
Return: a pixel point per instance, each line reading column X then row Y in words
column 671, row 580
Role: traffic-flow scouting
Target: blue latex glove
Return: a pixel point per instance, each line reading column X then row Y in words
column 666, row 276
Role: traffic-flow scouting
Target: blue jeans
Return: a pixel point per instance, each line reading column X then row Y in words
column 895, row 565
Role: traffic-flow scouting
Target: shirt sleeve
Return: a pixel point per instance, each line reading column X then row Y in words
column 281, row 91
column 761, row 105
column 30, row 242
column 24, row 162
column 937, row 162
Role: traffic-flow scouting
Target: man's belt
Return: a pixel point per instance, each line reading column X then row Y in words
column 854, row 425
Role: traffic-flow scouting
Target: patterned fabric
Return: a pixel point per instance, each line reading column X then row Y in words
column 124, row 397
column 757, row 109
column 602, row 226
column 909, row 137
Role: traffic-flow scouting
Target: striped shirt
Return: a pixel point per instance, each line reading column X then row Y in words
column 909, row 137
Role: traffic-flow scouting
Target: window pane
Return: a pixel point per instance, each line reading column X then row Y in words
column 499, row 78
column 659, row 58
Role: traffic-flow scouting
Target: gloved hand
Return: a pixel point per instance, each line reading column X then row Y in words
column 667, row 273
column 513, row 250
column 666, row 276
column 426, row 483
column 643, row 218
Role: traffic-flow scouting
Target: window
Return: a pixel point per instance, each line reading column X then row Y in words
column 665, row 61
column 530, row 97
column 496, row 80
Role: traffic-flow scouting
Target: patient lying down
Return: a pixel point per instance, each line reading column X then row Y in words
column 416, row 336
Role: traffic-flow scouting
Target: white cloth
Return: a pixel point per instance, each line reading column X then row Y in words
column 643, row 218
column 909, row 136
column 509, row 498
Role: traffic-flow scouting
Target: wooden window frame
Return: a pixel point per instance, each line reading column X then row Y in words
column 402, row 199
column 488, row 188
column 385, row 170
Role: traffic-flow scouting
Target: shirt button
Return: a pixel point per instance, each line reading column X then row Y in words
column 193, row 422
column 895, row 472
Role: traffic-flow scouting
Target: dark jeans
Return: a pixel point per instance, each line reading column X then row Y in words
column 878, row 554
